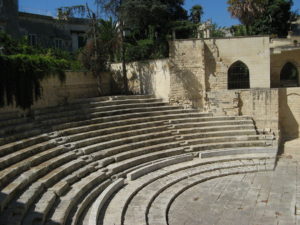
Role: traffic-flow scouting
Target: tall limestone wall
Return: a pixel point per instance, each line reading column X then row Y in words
column 195, row 76
column 289, row 112
column 261, row 104
column 151, row 77
column 187, row 73
column 278, row 60
column 221, row 53
column 55, row 92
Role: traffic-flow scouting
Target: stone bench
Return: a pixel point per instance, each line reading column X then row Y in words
column 94, row 108
column 115, row 213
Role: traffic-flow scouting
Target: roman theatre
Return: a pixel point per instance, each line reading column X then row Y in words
column 199, row 141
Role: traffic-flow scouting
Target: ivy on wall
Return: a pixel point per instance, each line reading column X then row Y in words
column 21, row 76
column 23, row 67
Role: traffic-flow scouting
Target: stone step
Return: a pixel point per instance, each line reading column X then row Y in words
column 106, row 128
column 224, row 145
column 134, row 152
column 91, row 100
column 215, row 129
column 209, row 119
column 124, row 151
column 224, row 139
column 15, row 128
column 102, row 199
column 158, row 165
column 10, row 115
column 141, row 207
column 117, row 207
column 73, row 197
column 218, row 134
column 31, row 133
column 271, row 151
column 15, row 146
column 20, row 183
column 133, row 111
column 128, row 163
column 112, row 98
column 90, row 148
column 124, row 173
column 146, row 116
column 213, row 123
column 77, row 127
column 18, row 208
column 16, row 169
column 83, row 209
column 81, row 105
column 96, row 109
column 157, row 209
column 101, row 136
column 13, row 120
column 62, row 187
column 9, row 159
column 39, row 212
column 136, row 109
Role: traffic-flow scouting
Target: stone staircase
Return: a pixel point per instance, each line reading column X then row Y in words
column 117, row 160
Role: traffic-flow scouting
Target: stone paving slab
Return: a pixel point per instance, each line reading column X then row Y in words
column 263, row 198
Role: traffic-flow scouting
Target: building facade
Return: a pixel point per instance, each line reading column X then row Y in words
column 41, row 30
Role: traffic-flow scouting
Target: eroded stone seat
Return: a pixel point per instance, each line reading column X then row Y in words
column 55, row 165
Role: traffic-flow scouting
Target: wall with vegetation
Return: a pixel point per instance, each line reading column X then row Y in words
column 55, row 92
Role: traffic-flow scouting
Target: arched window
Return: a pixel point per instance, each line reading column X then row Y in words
column 238, row 76
column 289, row 75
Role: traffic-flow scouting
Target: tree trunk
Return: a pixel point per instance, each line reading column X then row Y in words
column 124, row 72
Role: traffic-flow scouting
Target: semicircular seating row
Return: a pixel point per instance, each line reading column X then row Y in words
column 117, row 160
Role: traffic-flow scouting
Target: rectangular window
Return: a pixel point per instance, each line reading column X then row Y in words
column 58, row 43
column 81, row 41
column 32, row 39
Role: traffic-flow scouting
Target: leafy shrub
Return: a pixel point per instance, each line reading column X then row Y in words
column 23, row 67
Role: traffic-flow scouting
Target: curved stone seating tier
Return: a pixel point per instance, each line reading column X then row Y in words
column 143, row 199
column 72, row 164
column 94, row 109
column 11, row 118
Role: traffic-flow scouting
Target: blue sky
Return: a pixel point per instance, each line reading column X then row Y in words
column 213, row 9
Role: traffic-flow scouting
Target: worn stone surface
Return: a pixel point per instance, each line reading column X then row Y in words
column 95, row 141
column 261, row 198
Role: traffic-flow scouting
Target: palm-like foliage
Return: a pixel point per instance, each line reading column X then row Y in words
column 109, row 36
column 196, row 13
column 246, row 10
column 103, row 42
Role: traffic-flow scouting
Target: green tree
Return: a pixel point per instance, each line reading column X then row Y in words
column 147, row 23
column 23, row 68
column 148, row 16
column 238, row 30
column 276, row 19
column 246, row 10
column 113, row 8
column 270, row 17
column 196, row 13
column 216, row 31
column 100, row 49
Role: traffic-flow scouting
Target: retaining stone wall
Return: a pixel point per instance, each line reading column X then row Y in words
column 76, row 85
column 261, row 104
